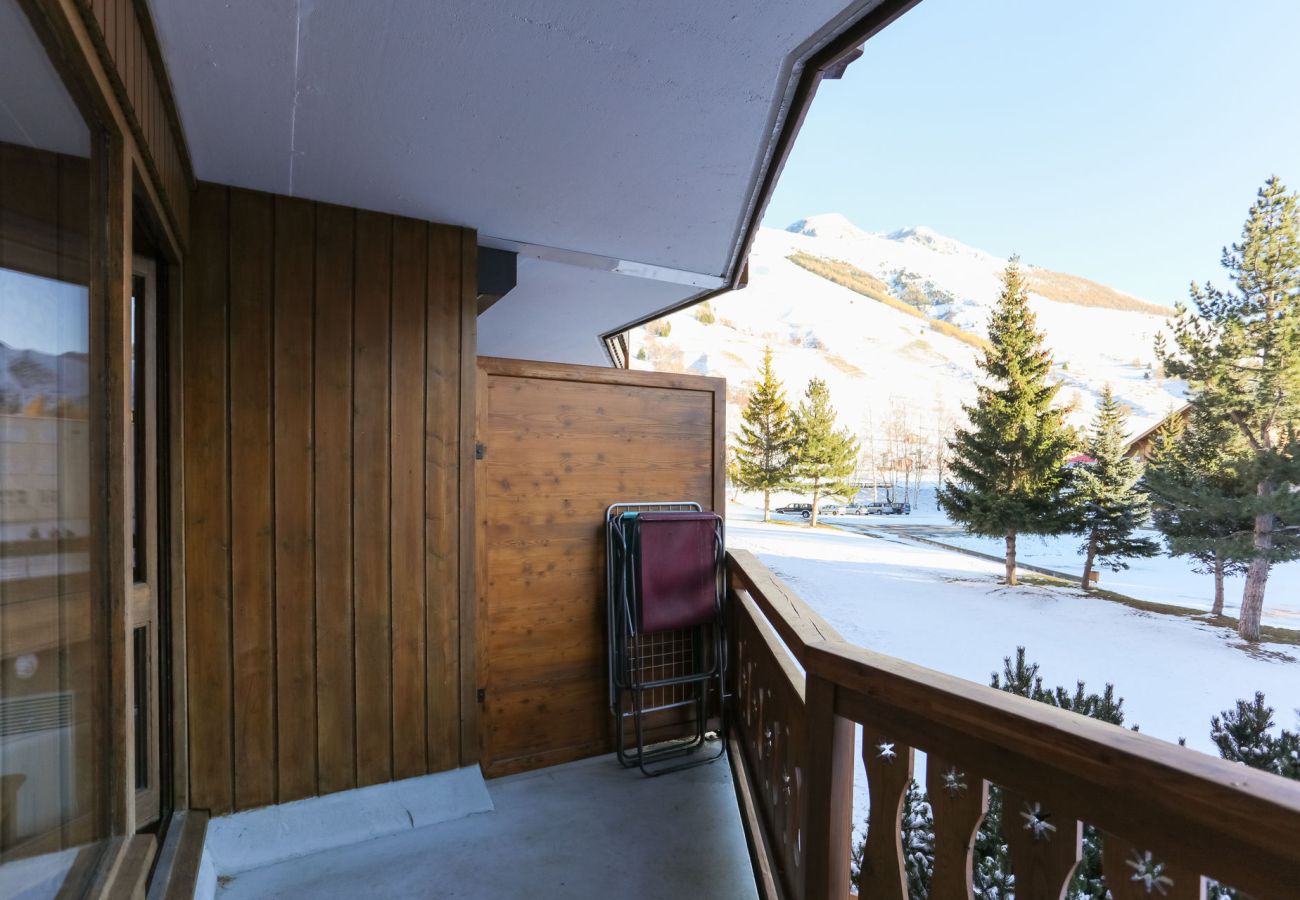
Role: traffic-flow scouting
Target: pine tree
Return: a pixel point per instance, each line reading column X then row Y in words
column 765, row 445
column 1197, row 496
column 733, row 472
column 1111, row 507
column 1008, row 465
column 826, row 456
column 1245, row 735
column 1240, row 354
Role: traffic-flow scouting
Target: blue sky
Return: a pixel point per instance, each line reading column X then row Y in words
column 43, row 314
column 1121, row 141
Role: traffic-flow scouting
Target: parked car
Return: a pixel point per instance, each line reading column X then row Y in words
column 900, row 509
column 796, row 509
column 830, row 509
column 875, row 509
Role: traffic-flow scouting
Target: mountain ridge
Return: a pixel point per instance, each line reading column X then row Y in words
column 894, row 323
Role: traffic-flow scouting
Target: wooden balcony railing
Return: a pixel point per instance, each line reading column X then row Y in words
column 801, row 691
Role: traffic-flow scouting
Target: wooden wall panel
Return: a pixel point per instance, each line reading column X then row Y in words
column 335, row 696
column 128, row 48
column 442, row 510
column 323, row 372
column 562, row 443
column 370, row 499
column 251, row 546
column 207, row 496
column 406, row 515
column 294, row 498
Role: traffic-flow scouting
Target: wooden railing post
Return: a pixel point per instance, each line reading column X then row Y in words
column 828, row 827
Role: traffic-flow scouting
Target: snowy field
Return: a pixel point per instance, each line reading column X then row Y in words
column 1161, row 579
column 947, row 611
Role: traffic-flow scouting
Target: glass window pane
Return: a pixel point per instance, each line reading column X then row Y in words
column 52, row 700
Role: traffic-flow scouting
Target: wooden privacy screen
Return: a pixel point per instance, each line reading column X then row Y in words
column 560, row 444
column 326, row 355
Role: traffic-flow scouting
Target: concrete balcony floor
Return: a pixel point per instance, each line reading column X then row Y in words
column 585, row 829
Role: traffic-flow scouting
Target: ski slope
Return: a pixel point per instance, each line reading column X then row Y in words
column 878, row 360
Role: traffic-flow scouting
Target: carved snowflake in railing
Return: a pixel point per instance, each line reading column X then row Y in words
column 767, row 740
column 785, row 782
column 1036, row 822
column 952, row 781
column 885, row 750
column 1149, row 873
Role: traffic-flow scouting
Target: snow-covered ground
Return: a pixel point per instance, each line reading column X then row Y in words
column 1160, row 579
column 947, row 611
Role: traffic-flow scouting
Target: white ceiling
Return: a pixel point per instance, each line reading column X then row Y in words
column 631, row 131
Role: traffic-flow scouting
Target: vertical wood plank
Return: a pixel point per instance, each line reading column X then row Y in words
column 830, row 794
column 370, row 498
column 1044, row 847
column 117, row 492
column 206, row 528
column 467, row 271
column 108, row 26
column 74, row 219
column 119, row 38
column 178, row 690
column 295, row 582
column 335, row 697
column 888, row 764
column 407, row 391
column 958, row 801
column 128, row 61
column 442, row 496
column 251, row 538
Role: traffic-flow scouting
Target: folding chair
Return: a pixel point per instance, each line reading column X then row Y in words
column 666, row 641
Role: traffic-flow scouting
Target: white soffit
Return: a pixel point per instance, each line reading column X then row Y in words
column 557, row 311
column 634, row 131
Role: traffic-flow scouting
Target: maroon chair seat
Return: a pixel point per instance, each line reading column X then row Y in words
column 677, row 570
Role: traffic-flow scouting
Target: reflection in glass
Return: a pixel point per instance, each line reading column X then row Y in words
column 51, row 652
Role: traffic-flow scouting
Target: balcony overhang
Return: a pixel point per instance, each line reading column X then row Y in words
column 646, row 135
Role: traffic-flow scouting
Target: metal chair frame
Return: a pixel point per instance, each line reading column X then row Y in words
column 626, row 660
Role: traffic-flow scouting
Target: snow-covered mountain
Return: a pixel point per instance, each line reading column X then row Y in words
column 28, row 376
column 901, row 329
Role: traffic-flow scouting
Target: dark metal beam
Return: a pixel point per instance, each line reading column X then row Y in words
column 498, row 273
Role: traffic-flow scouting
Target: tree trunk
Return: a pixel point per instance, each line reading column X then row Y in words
column 1252, row 598
column 1088, row 560
column 1217, row 609
column 767, row 502
column 1011, row 557
column 812, row 519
